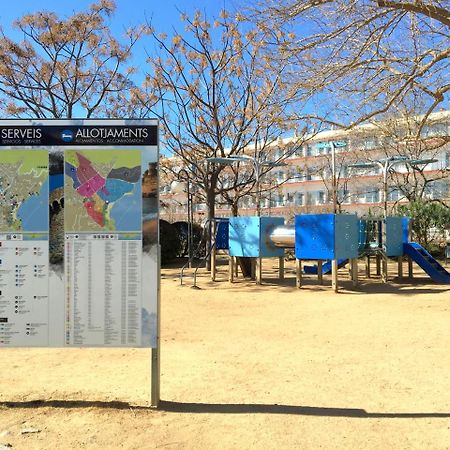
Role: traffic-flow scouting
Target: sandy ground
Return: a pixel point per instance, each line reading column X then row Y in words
column 266, row 367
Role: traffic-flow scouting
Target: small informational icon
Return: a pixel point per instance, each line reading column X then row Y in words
column 67, row 135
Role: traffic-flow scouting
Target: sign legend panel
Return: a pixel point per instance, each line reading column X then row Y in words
column 24, row 290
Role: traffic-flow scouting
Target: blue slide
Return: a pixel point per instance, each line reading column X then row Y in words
column 326, row 267
column 418, row 254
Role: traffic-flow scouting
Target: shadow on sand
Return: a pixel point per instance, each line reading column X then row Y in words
column 218, row 408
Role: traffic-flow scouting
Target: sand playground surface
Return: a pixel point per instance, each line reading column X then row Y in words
column 250, row 367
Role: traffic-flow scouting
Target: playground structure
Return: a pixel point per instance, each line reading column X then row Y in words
column 331, row 240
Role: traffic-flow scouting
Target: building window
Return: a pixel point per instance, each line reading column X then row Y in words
column 365, row 142
column 279, row 200
column 436, row 129
column 299, row 198
column 298, row 175
column 247, row 202
column 276, row 200
column 343, row 171
column 279, row 176
column 341, row 146
column 436, row 190
column 395, row 195
column 372, row 196
column 323, row 148
column 370, row 143
column 360, row 197
column 343, row 196
column 321, row 198
column 299, row 152
column 289, row 198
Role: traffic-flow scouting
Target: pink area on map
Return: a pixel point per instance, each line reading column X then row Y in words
column 89, row 188
column 85, row 171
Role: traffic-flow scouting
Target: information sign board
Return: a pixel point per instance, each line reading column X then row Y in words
column 79, row 248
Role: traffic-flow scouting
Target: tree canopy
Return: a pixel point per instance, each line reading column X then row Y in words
column 216, row 94
column 67, row 67
column 369, row 56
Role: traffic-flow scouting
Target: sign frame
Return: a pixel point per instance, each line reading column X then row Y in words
column 98, row 134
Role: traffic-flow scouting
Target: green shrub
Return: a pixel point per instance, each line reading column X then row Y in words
column 426, row 216
column 170, row 241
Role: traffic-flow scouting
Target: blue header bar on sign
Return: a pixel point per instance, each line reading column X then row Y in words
column 68, row 135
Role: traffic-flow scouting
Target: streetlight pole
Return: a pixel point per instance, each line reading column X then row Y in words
column 333, row 177
column 257, row 187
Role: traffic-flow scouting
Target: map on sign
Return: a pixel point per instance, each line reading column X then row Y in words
column 103, row 190
column 24, row 186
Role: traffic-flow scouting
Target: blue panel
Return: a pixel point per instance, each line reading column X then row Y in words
column 314, row 236
column 268, row 250
column 393, row 242
column 222, row 242
column 405, row 229
column 244, row 236
column 346, row 236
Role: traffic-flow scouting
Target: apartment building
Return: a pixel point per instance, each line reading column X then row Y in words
column 303, row 184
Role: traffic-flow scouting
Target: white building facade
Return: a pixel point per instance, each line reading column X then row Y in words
column 304, row 183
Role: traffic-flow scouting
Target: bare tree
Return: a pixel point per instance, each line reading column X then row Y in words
column 400, row 137
column 68, row 67
column 217, row 95
column 255, row 178
column 362, row 59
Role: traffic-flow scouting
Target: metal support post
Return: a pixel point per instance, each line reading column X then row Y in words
column 213, row 252
column 298, row 273
column 385, row 274
column 354, row 271
column 368, row 266
column 378, row 263
column 400, row 267
column 320, row 272
column 334, row 275
column 258, row 270
column 155, row 383
column 231, row 269
column 281, row 267
column 155, row 387
column 410, row 268
column 253, row 268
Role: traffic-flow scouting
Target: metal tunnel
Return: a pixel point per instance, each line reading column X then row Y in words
column 283, row 236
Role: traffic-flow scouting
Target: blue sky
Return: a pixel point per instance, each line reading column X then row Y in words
column 164, row 15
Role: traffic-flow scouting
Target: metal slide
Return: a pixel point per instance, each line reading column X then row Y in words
column 418, row 254
column 326, row 267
